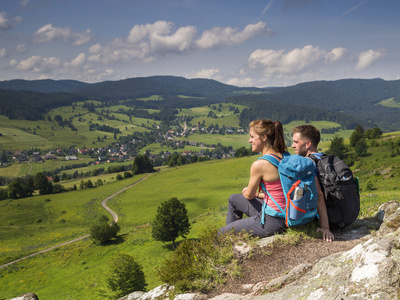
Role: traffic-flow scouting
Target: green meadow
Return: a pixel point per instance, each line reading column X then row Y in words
column 32, row 224
column 77, row 271
column 65, row 216
column 390, row 103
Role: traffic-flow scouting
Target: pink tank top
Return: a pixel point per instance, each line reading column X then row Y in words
column 276, row 191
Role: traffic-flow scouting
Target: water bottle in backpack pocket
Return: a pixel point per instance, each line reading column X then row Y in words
column 298, row 205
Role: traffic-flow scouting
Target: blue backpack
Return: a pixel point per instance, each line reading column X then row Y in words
column 296, row 174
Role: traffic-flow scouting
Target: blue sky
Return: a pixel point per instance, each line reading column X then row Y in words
column 244, row 43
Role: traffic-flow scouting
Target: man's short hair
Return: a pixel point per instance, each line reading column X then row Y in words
column 308, row 132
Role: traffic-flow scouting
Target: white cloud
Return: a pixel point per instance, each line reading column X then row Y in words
column 3, row 52
column 236, row 81
column 274, row 62
column 77, row 61
column 96, row 48
column 336, row 54
column 206, row 73
column 49, row 33
column 367, row 58
column 150, row 41
column 228, row 36
column 36, row 64
column 4, row 22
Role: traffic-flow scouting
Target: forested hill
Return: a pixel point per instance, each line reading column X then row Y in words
column 347, row 101
column 131, row 88
column 42, row 86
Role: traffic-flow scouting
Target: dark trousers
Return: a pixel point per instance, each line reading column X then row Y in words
column 239, row 205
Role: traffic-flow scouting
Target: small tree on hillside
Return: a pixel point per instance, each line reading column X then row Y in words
column 142, row 164
column 171, row 221
column 337, row 147
column 42, row 184
column 102, row 232
column 125, row 275
column 361, row 147
column 357, row 135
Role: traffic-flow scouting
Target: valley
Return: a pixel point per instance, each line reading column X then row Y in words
column 107, row 134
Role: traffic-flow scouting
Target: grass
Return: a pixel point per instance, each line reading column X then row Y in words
column 203, row 187
column 35, row 223
column 234, row 140
column 136, row 208
column 46, row 135
column 391, row 102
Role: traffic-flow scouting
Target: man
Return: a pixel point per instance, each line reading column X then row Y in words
column 305, row 142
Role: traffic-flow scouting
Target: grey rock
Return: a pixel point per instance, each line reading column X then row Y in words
column 27, row 296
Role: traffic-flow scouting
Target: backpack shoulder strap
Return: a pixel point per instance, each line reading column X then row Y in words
column 273, row 159
column 316, row 157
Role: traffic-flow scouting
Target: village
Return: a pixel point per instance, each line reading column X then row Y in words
column 120, row 152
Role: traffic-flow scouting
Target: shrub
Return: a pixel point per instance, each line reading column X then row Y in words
column 200, row 265
column 103, row 232
column 125, row 275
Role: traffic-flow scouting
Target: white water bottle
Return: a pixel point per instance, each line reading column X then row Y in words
column 298, row 193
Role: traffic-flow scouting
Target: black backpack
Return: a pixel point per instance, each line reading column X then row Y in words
column 340, row 188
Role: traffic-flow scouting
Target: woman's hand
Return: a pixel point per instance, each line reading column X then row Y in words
column 326, row 234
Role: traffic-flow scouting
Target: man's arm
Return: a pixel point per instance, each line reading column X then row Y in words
column 323, row 215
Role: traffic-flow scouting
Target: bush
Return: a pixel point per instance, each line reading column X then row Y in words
column 103, row 232
column 125, row 275
column 171, row 221
column 200, row 265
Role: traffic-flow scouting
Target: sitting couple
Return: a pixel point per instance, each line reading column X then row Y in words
column 267, row 137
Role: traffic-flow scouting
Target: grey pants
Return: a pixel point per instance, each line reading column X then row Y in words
column 239, row 205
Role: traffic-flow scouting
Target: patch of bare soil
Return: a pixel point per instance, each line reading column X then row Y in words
column 274, row 261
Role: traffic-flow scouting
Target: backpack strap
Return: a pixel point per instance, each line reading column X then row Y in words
column 274, row 160
column 316, row 158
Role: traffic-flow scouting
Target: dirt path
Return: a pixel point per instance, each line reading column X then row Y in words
column 103, row 203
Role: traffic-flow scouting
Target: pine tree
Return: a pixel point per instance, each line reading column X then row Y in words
column 337, row 147
column 361, row 147
column 171, row 221
column 357, row 135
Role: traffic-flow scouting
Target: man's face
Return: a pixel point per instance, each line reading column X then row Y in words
column 299, row 145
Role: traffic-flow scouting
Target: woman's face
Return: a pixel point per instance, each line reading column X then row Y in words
column 255, row 141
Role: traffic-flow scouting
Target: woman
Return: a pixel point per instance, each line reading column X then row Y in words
column 266, row 137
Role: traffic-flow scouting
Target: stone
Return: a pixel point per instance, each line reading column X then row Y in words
column 27, row 296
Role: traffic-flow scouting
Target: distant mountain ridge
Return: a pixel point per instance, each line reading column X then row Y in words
column 42, row 86
column 129, row 88
column 347, row 101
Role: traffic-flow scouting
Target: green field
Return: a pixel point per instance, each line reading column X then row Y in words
column 390, row 103
column 35, row 223
column 77, row 271
column 136, row 209
column 234, row 140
